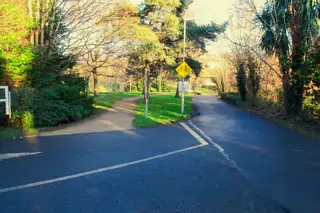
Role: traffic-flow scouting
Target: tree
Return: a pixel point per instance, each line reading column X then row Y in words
column 107, row 42
column 36, row 57
column 253, row 76
column 160, row 16
column 284, row 22
column 242, row 80
column 146, row 53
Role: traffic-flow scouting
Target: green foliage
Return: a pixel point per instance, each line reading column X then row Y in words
column 19, row 64
column 184, row 6
column 3, row 71
column 15, row 56
column 28, row 120
column 312, row 89
column 14, row 24
column 195, row 65
column 42, row 93
column 160, row 16
column 198, row 34
column 311, row 110
column 272, row 38
column 65, row 102
column 163, row 4
column 147, row 45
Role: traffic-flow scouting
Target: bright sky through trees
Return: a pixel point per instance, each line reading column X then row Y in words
column 205, row 11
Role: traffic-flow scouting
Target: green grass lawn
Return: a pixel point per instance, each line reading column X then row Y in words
column 105, row 100
column 162, row 110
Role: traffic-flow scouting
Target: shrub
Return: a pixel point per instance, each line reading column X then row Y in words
column 63, row 103
column 253, row 77
column 242, row 80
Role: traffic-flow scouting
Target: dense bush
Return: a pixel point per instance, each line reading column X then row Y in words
column 42, row 93
column 65, row 102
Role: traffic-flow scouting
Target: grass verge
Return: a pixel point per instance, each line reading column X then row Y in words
column 7, row 132
column 164, row 109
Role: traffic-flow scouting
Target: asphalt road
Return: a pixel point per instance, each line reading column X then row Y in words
column 262, row 168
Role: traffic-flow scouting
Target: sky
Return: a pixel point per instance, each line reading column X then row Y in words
column 205, row 11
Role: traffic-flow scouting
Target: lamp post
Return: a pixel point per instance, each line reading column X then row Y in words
column 184, row 59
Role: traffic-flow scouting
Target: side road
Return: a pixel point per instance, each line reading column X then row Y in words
column 119, row 118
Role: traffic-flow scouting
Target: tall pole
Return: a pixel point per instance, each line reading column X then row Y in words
column 184, row 59
column 184, row 40
column 146, row 92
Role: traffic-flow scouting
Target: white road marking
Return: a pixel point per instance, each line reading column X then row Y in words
column 206, row 136
column 5, row 156
column 303, row 152
column 194, row 134
column 220, row 149
column 40, row 183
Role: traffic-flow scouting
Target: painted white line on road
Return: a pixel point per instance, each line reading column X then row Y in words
column 40, row 183
column 5, row 156
column 194, row 134
column 206, row 137
column 220, row 149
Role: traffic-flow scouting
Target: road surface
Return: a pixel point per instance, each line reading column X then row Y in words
column 222, row 161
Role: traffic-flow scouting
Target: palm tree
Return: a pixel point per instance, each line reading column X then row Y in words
column 288, row 28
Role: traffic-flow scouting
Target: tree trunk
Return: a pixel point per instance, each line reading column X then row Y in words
column 53, row 21
column 297, row 83
column 147, row 86
column 286, row 94
column 31, row 16
column 147, row 91
column 37, row 20
column 95, row 82
column 87, row 90
column 160, row 81
column 130, row 84
column 43, row 20
column 177, row 91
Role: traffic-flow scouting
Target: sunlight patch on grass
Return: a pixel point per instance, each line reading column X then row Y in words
column 162, row 110
column 106, row 100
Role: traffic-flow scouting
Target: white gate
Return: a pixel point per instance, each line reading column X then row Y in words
column 7, row 99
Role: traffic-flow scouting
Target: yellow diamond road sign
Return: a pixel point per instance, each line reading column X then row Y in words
column 184, row 70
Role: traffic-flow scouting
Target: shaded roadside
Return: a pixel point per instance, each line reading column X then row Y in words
column 271, row 112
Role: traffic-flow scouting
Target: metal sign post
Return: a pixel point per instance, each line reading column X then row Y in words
column 184, row 59
column 146, row 93
column 7, row 100
column 184, row 70
column 182, row 104
column 183, row 87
